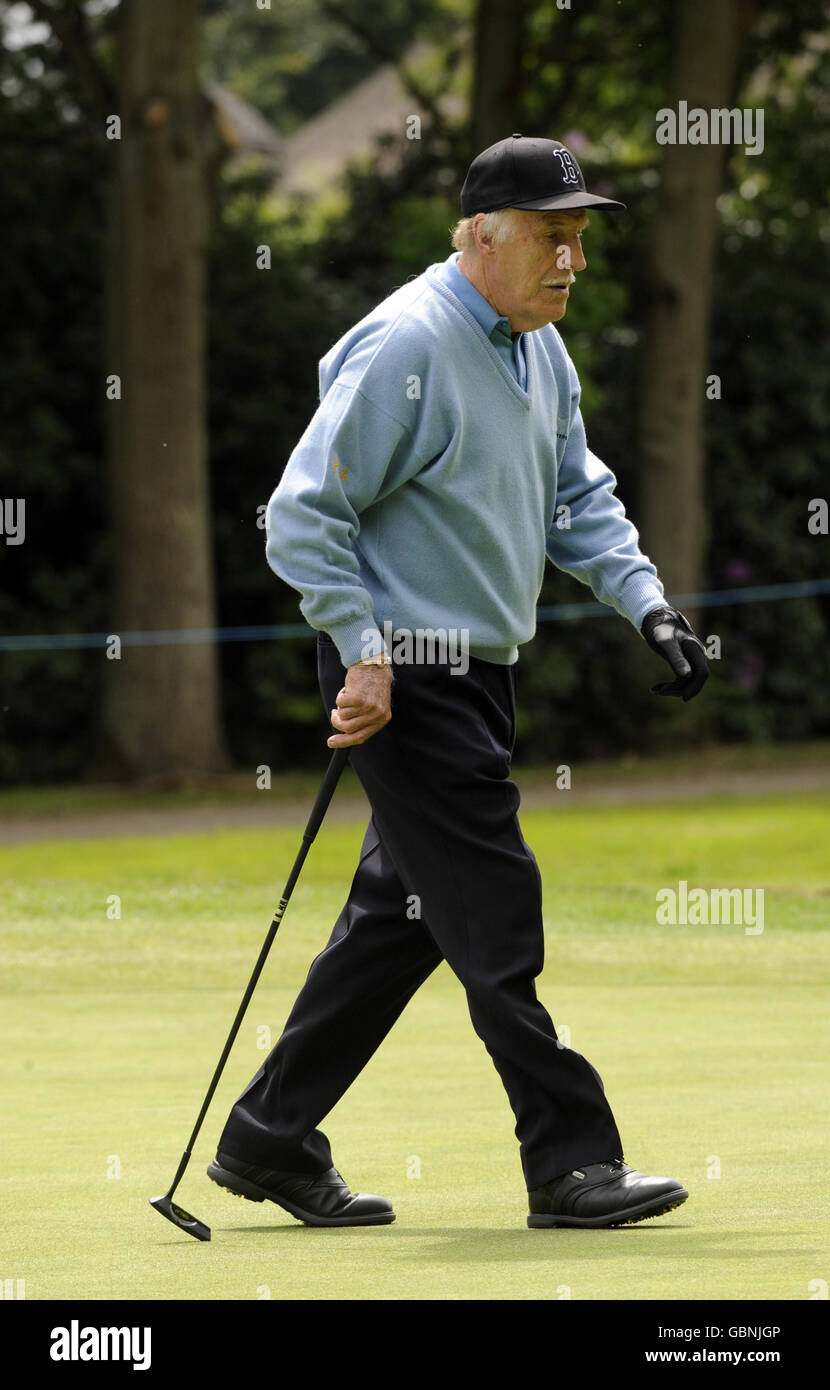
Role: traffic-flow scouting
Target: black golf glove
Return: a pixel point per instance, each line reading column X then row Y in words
column 670, row 635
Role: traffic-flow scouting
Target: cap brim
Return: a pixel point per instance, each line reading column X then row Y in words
column 568, row 201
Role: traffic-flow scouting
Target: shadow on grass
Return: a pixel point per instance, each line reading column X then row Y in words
column 471, row 1245
column 482, row 1244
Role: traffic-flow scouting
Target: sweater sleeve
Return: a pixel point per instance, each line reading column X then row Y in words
column 594, row 541
column 352, row 454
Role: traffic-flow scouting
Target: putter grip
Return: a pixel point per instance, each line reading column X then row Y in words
column 339, row 758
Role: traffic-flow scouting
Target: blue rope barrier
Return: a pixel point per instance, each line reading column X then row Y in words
column 555, row 612
column 717, row 598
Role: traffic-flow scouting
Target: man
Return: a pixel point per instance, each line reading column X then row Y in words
column 422, row 499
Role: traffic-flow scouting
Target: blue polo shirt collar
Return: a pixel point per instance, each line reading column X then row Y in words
column 482, row 312
column 496, row 326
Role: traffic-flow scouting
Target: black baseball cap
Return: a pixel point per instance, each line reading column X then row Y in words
column 526, row 171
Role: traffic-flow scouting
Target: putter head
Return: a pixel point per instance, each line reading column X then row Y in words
column 180, row 1217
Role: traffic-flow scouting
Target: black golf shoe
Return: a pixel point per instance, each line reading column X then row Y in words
column 319, row 1200
column 603, row 1194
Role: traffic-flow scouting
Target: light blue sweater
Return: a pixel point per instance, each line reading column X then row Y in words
column 429, row 486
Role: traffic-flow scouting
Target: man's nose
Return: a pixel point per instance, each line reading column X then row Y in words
column 578, row 261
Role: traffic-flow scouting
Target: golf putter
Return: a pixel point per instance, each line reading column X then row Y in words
column 165, row 1204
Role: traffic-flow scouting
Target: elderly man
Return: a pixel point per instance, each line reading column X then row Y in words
column 429, row 487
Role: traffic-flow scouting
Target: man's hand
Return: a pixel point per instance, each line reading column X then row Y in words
column 670, row 635
column 364, row 705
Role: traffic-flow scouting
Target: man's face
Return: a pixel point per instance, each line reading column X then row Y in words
column 527, row 275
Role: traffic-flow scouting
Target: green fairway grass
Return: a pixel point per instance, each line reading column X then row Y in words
column 712, row 1045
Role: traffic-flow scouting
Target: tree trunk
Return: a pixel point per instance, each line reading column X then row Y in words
column 161, row 704
column 497, row 74
column 671, row 514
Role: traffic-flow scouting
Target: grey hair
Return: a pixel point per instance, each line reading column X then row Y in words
column 498, row 225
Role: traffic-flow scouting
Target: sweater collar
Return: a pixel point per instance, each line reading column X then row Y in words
column 434, row 274
column 483, row 312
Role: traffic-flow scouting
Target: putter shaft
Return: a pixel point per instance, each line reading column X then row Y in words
column 164, row 1204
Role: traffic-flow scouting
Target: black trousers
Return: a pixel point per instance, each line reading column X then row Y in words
column 444, row 842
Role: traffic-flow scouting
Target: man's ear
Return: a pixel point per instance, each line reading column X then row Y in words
column 485, row 242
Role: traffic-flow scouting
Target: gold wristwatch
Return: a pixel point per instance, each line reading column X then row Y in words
column 382, row 659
